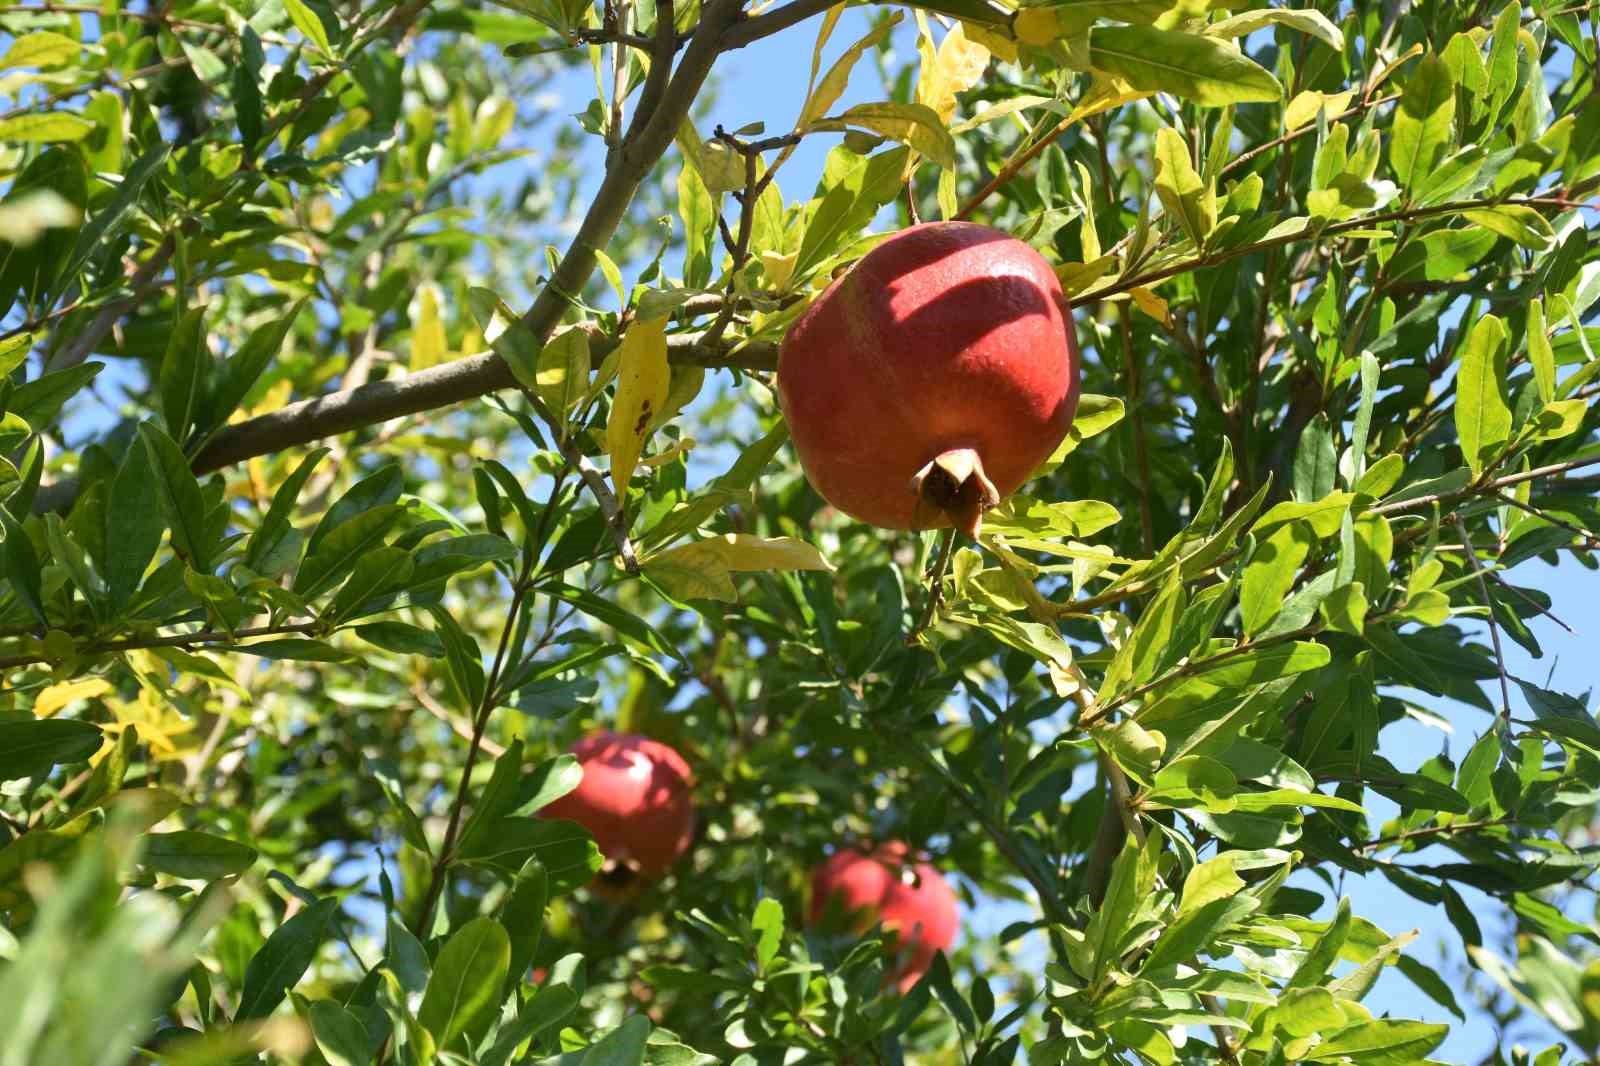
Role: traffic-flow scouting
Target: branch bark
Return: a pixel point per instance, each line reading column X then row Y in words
column 427, row 390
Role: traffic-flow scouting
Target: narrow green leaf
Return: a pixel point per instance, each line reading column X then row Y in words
column 197, row 856
column 179, row 496
column 30, row 747
column 464, row 990
column 183, row 373
column 1423, row 124
column 1483, row 417
column 283, row 959
column 1202, row 69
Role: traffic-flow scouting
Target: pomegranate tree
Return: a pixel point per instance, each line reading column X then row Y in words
column 634, row 800
column 932, row 379
column 888, row 886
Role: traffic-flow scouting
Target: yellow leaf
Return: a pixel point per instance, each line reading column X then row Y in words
column 1149, row 303
column 704, row 569
column 1304, row 107
column 643, row 380
column 563, row 372
column 52, row 699
column 681, row 447
column 779, row 268
column 957, row 67
column 833, row 83
column 428, row 343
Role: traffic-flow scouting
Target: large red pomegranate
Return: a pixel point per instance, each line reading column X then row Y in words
column 886, row 885
column 932, row 379
column 634, row 800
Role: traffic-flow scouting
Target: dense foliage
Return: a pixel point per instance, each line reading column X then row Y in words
column 337, row 504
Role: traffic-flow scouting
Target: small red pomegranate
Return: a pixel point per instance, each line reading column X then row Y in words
column 635, row 801
column 911, row 898
column 932, row 379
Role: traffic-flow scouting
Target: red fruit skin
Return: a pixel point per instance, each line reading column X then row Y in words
column 880, row 887
column 946, row 335
column 634, row 800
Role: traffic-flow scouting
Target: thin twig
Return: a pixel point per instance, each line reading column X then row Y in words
column 1582, row 534
column 947, row 547
column 180, row 640
column 1428, row 831
column 480, row 723
column 1494, row 626
column 1428, row 500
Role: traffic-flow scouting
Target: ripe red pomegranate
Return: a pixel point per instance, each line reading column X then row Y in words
column 634, row 800
column 888, row 886
column 932, row 379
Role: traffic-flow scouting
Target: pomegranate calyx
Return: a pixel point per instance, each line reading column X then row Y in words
column 954, row 485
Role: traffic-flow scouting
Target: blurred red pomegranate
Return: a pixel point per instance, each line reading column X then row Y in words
column 886, row 885
column 932, row 379
column 635, row 800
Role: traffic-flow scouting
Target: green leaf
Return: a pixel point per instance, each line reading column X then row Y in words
column 107, row 222
column 19, row 564
column 1315, row 461
column 179, row 496
column 832, row 86
column 42, row 48
column 464, row 990
column 916, row 125
column 1540, row 354
column 1135, row 662
column 183, row 373
column 1515, row 222
column 1483, row 417
column 132, row 527
column 275, row 534
column 377, row 489
column 1271, row 573
column 247, row 108
column 553, row 1002
column 340, row 1036
column 1319, row 960
column 295, row 649
column 564, row 848
column 623, row 1046
column 1423, row 124
column 1380, row 1040
column 1311, row 23
column 239, row 373
column 1133, row 877
column 45, row 127
column 283, row 959
column 40, row 400
column 1202, row 69
column 384, row 570
column 545, row 784
column 30, row 747
column 768, row 925
column 1195, row 781
column 402, row 639
column 1185, row 195
column 196, row 856
column 523, row 917
column 349, row 544
column 309, row 22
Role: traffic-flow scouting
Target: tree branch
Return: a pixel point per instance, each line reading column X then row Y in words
column 749, row 31
column 178, row 640
column 426, row 390
column 647, row 140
